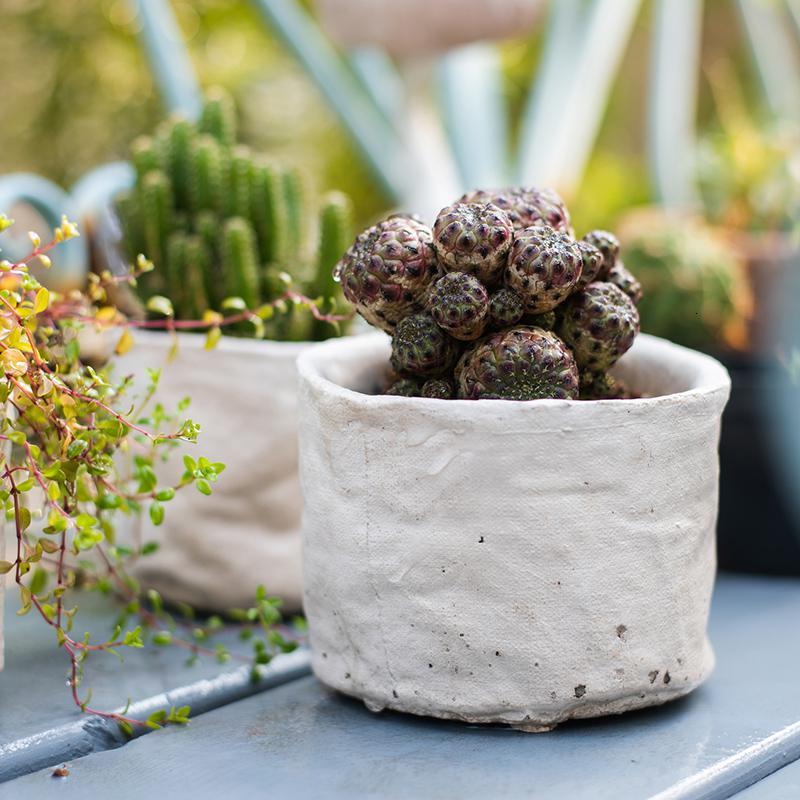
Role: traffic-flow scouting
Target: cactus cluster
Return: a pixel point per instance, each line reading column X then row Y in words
column 497, row 300
column 219, row 221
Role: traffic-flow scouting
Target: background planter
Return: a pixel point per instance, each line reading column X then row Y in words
column 416, row 27
column 523, row 563
column 758, row 526
column 216, row 550
column 758, row 531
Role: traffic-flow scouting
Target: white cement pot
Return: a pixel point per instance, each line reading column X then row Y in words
column 214, row 551
column 522, row 563
column 422, row 27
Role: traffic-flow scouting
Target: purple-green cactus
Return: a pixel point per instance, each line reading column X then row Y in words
column 438, row 388
column 592, row 260
column 622, row 277
column 599, row 325
column 388, row 270
column 608, row 245
column 473, row 238
column 460, row 304
column 505, row 308
column 544, row 268
column 526, row 206
column 518, row 364
column 404, row 387
column 497, row 300
column 546, row 320
column 420, row 347
column 602, row 386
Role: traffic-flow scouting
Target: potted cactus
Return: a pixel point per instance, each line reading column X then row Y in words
column 510, row 503
column 228, row 235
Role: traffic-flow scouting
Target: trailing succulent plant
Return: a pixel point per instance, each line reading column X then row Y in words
column 218, row 221
column 497, row 300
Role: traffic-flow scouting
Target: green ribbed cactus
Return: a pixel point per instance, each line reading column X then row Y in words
column 219, row 117
column 220, row 222
column 335, row 224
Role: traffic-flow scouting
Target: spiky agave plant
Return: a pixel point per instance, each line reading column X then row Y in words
column 220, row 221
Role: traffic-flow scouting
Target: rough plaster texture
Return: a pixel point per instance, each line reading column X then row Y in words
column 495, row 561
column 216, row 550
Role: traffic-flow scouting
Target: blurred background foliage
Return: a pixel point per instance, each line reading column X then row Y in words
column 80, row 90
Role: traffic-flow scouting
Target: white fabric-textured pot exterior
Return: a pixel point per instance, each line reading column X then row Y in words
column 422, row 27
column 214, row 551
column 496, row 561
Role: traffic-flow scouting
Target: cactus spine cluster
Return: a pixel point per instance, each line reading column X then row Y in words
column 219, row 222
column 497, row 300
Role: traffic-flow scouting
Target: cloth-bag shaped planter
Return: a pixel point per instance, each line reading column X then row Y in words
column 497, row 561
column 214, row 551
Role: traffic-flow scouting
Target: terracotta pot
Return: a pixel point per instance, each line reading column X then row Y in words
column 420, row 27
column 521, row 563
column 214, row 551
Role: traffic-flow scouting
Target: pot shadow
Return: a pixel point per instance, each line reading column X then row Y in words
column 672, row 713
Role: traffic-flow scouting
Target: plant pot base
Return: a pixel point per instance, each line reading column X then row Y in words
column 540, row 719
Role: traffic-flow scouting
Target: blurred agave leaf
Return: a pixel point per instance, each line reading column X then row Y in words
column 168, row 56
column 674, row 73
column 470, row 78
column 375, row 138
column 556, row 149
column 775, row 54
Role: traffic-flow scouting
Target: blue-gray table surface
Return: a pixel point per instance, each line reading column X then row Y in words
column 299, row 740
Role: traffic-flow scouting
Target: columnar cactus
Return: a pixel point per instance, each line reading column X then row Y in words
column 499, row 301
column 218, row 222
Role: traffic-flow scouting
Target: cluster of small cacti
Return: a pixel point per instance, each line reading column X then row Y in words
column 218, row 221
column 496, row 300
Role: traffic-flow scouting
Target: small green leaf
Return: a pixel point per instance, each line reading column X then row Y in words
column 156, row 513
column 160, row 305
column 203, row 486
column 212, row 337
column 234, row 304
column 6, row 566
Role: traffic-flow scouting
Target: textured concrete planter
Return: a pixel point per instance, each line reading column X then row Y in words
column 523, row 563
column 214, row 551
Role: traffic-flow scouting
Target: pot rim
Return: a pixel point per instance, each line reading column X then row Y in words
column 709, row 380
